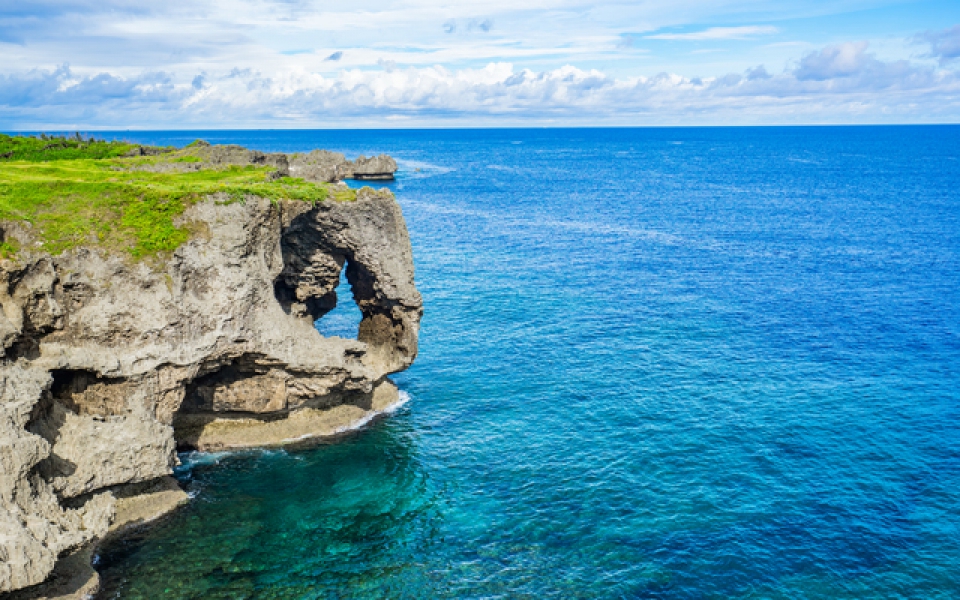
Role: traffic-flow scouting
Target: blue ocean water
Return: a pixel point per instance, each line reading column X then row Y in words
column 655, row 363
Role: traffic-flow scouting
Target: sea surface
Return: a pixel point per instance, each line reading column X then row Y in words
column 654, row 363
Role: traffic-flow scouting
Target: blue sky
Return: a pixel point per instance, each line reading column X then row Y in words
column 92, row 64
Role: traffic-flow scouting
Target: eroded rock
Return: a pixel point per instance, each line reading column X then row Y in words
column 109, row 364
column 325, row 166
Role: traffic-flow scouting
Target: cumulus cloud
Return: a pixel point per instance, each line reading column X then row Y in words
column 718, row 33
column 944, row 44
column 65, row 92
column 758, row 72
column 223, row 61
column 841, row 60
column 836, row 83
column 850, row 67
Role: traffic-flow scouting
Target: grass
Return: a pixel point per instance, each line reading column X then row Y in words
column 43, row 149
column 86, row 194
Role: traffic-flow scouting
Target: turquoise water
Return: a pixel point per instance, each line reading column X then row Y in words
column 655, row 363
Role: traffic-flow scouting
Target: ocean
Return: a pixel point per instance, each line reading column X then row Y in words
column 654, row 363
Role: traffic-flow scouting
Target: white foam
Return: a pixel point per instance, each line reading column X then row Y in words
column 402, row 398
column 191, row 459
column 195, row 458
column 270, row 451
column 417, row 168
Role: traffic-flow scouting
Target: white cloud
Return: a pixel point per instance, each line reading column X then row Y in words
column 841, row 60
column 844, row 67
column 306, row 62
column 718, row 33
column 944, row 44
column 837, row 84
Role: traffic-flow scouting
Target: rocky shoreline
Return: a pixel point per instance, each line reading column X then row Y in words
column 111, row 364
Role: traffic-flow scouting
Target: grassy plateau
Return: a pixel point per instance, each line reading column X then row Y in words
column 75, row 192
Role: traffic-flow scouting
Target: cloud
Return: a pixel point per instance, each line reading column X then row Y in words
column 944, row 44
column 838, row 83
column 65, row 91
column 850, row 67
column 335, row 56
column 759, row 72
column 484, row 25
column 841, row 60
column 481, row 24
column 718, row 33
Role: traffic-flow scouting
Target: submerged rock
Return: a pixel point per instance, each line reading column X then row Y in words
column 109, row 365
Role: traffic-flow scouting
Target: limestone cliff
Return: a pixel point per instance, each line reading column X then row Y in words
column 111, row 364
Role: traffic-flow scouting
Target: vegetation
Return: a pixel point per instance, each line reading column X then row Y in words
column 44, row 148
column 76, row 192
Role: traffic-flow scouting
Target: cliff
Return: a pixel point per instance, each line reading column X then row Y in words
column 118, row 347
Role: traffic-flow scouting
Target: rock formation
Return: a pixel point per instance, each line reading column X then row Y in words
column 322, row 165
column 109, row 365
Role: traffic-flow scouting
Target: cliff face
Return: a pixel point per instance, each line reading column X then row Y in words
column 109, row 364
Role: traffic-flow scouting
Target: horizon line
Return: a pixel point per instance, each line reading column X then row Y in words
column 76, row 129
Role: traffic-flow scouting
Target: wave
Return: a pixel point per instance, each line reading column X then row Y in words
column 402, row 398
column 197, row 458
column 419, row 168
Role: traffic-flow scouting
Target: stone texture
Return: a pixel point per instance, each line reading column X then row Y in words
column 374, row 168
column 325, row 166
column 73, row 577
column 34, row 527
column 143, row 503
column 108, row 365
column 213, row 432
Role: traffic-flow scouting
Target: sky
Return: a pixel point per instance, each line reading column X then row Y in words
column 208, row 64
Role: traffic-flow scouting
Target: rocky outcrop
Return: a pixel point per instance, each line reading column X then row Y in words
column 109, row 365
column 322, row 165
column 35, row 526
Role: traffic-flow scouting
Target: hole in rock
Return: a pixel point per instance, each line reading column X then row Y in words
column 242, row 386
column 344, row 320
column 247, row 380
column 86, row 393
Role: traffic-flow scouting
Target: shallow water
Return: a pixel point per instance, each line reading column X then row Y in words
column 655, row 363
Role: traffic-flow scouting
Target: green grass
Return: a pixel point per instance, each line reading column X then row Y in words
column 59, row 148
column 9, row 249
column 99, row 201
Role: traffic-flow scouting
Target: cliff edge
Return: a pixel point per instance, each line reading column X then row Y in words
column 118, row 348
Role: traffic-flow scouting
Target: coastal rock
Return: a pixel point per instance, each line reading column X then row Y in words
column 110, row 365
column 325, row 166
column 319, row 165
column 34, row 526
column 374, row 168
